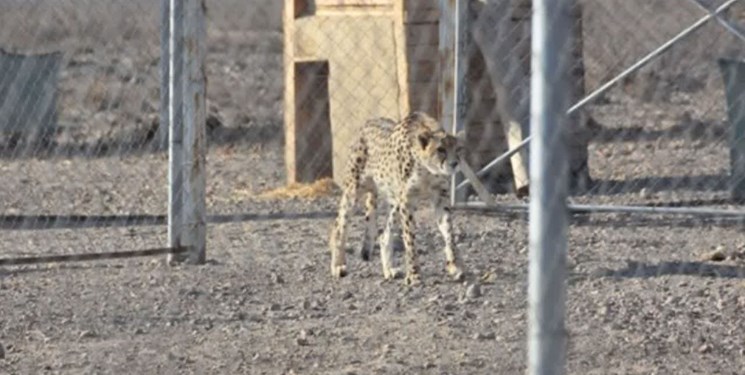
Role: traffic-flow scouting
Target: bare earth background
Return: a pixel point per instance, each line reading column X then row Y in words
column 642, row 298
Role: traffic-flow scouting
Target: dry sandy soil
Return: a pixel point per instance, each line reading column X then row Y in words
column 643, row 296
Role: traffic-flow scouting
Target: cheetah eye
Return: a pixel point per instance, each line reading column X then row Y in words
column 441, row 150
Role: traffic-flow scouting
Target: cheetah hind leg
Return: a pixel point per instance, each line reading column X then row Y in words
column 413, row 276
column 371, row 230
column 338, row 236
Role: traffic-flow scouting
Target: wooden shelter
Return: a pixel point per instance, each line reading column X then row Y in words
column 347, row 61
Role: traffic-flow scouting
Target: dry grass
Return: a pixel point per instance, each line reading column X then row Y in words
column 320, row 188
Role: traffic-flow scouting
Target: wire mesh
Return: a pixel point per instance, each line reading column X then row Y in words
column 290, row 83
column 79, row 93
column 668, row 142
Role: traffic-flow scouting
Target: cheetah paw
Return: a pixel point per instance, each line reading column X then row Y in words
column 455, row 272
column 413, row 279
column 338, row 271
column 392, row 273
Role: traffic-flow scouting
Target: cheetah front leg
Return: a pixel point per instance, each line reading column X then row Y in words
column 445, row 225
column 407, row 232
column 386, row 246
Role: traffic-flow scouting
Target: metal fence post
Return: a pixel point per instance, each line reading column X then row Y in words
column 452, row 50
column 187, row 132
column 165, row 72
column 548, row 213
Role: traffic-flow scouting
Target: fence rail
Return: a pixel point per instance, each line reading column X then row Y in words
column 84, row 257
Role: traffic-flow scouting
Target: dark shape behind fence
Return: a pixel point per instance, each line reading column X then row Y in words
column 733, row 73
column 28, row 95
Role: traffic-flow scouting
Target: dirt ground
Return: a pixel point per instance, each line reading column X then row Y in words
column 644, row 295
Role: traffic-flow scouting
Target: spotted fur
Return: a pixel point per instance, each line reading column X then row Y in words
column 405, row 162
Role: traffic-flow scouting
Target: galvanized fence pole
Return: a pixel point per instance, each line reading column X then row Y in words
column 174, row 53
column 165, row 72
column 548, row 214
column 187, row 113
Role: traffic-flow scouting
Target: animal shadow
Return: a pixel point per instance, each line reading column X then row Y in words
column 635, row 269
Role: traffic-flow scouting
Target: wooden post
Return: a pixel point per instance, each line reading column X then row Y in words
column 288, row 22
column 187, row 113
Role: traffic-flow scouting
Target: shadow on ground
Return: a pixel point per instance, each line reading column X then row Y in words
column 635, row 269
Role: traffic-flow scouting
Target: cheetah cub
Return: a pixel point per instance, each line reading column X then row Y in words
column 407, row 162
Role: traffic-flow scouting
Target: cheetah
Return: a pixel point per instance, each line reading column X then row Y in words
column 408, row 162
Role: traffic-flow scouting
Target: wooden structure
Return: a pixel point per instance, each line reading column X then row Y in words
column 349, row 60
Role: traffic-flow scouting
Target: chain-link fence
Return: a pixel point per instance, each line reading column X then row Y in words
column 652, row 145
column 78, row 106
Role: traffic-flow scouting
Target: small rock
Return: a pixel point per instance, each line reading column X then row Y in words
column 717, row 255
column 302, row 338
column 138, row 331
column 276, row 279
column 87, row 334
column 306, row 305
column 603, row 310
column 307, row 267
column 705, row 348
column 644, row 193
column 473, row 291
column 348, row 339
column 239, row 315
column 484, row 336
column 347, row 295
column 449, row 307
column 275, row 307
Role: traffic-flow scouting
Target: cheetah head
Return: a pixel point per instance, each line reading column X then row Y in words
column 438, row 151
